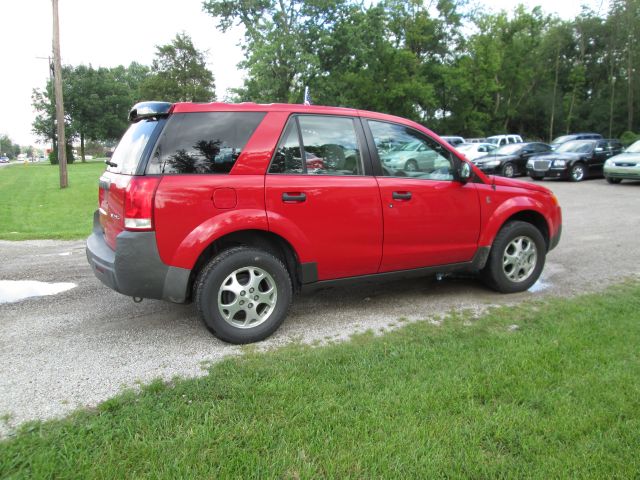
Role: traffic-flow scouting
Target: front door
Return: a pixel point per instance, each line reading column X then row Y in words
column 430, row 218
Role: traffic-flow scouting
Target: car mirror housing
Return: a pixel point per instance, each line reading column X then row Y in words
column 465, row 172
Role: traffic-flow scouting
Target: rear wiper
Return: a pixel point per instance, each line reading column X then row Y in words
column 110, row 163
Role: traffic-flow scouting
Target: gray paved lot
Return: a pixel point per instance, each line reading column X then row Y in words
column 82, row 346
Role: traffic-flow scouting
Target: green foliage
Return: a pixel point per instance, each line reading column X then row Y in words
column 53, row 155
column 8, row 148
column 627, row 138
column 179, row 74
column 472, row 398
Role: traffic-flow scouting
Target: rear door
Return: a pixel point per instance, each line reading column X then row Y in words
column 321, row 196
column 430, row 218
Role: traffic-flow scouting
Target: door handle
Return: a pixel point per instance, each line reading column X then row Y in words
column 401, row 195
column 294, row 197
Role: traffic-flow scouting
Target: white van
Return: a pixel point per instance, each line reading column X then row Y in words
column 500, row 140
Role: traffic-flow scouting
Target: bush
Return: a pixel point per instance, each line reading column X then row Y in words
column 627, row 138
column 53, row 156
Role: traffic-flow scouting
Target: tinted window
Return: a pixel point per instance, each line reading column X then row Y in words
column 405, row 152
column 129, row 151
column 208, row 142
column 330, row 147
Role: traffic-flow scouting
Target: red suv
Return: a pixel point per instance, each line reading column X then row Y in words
column 239, row 206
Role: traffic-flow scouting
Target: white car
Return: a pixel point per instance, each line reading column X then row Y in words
column 410, row 157
column 476, row 150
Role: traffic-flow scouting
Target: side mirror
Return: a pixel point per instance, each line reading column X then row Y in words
column 465, row 172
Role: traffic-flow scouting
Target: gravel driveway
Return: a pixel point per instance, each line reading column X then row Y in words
column 82, row 346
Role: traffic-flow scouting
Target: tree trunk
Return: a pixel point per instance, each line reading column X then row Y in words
column 553, row 100
column 630, row 89
column 82, row 147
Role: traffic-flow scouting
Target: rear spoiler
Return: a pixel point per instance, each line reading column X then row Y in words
column 144, row 110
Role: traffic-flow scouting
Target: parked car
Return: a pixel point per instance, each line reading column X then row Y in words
column 240, row 237
column 574, row 136
column 624, row 166
column 500, row 140
column 410, row 157
column 452, row 140
column 511, row 160
column 475, row 150
column 575, row 160
column 476, row 140
column 4, row 159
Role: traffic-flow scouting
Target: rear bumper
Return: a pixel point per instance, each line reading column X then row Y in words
column 135, row 268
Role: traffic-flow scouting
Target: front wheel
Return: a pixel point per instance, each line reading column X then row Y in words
column 577, row 172
column 537, row 177
column 508, row 170
column 411, row 166
column 613, row 180
column 516, row 259
column 243, row 295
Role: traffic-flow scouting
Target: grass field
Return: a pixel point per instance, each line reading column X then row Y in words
column 33, row 206
column 557, row 396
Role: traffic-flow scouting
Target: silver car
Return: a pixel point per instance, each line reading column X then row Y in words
column 410, row 157
column 624, row 166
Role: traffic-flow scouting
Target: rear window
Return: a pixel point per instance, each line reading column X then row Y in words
column 129, row 151
column 208, row 142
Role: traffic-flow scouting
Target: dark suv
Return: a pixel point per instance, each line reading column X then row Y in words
column 239, row 206
column 574, row 160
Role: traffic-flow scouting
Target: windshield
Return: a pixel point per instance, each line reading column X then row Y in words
column 562, row 139
column 577, row 146
column 508, row 149
column 129, row 151
column 633, row 148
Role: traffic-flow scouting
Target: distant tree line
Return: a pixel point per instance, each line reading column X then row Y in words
column 458, row 72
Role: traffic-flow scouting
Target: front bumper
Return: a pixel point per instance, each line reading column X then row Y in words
column 551, row 172
column 628, row 173
column 135, row 268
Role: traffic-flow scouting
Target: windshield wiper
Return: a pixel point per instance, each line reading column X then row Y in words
column 110, row 163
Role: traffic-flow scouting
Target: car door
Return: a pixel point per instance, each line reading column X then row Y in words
column 327, row 206
column 600, row 154
column 429, row 217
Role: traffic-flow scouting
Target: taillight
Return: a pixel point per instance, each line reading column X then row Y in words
column 138, row 205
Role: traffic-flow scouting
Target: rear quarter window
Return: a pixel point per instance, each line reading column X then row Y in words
column 132, row 145
column 203, row 143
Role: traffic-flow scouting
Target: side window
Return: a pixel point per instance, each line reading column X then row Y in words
column 330, row 147
column 405, row 152
column 208, row 142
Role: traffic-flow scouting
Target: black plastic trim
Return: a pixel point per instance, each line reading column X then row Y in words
column 135, row 268
column 309, row 272
column 555, row 240
column 150, row 147
column 477, row 263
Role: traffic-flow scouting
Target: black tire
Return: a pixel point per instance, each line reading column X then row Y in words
column 238, row 263
column 494, row 274
column 613, row 181
column 578, row 172
column 508, row 170
column 411, row 166
column 537, row 177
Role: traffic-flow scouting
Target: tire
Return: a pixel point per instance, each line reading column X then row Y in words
column 521, row 270
column 411, row 166
column 578, row 172
column 244, row 272
column 613, row 181
column 537, row 177
column 508, row 170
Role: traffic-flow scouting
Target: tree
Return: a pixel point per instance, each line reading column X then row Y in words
column 179, row 74
column 8, row 148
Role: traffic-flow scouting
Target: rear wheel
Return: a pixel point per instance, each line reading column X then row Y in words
column 243, row 295
column 516, row 259
column 578, row 172
column 411, row 166
column 613, row 180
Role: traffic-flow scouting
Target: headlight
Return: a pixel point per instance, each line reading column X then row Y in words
column 608, row 163
column 559, row 163
column 529, row 163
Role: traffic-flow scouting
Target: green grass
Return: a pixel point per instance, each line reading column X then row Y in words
column 33, row 206
column 558, row 397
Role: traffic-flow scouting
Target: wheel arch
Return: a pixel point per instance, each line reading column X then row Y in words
column 529, row 212
column 262, row 239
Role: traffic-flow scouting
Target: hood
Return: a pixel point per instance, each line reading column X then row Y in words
column 626, row 157
column 513, row 183
column 562, row 156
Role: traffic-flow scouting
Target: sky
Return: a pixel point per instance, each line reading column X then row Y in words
column 117, row 32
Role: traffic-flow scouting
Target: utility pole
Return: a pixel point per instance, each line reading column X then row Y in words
column 62, row 144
